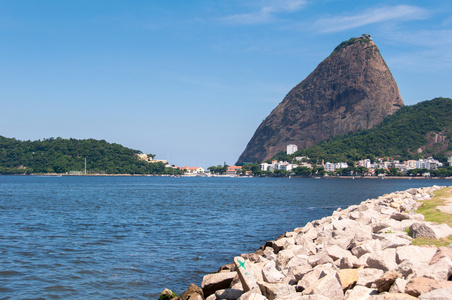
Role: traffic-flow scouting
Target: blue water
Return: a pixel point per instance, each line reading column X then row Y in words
column 131, row 237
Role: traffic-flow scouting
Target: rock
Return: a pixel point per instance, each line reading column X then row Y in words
column 197, row 296
column 393, row 296
column 246, row 275
column 398, row 286
column 360, row 293
column 252, row 296
column 368, row 276
column 192, row 289
column 438, row 294
column 167, row 295
column 282, row 258
column 217, row 281
column 366, row 247
column 336, row 252
column 275, row 290
column 441, row 270
column 299, row 271
column 429, row 230
column 298, row 260
column 309, row 278
column 400, row 216
column 319, row 259
column 328, row 286
column 440, row 253
column 421, row 285
column 384, row 260
column 271, row 274
column 228, row 294
column 348, row 262
column 392, row 240
column 347, row 278
column 385, row 282
column 328, row 103
column 415, row 254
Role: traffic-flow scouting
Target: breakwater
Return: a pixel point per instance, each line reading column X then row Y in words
column 362, row 252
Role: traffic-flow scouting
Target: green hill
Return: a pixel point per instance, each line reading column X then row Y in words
column 65, row 155
column 416, row 131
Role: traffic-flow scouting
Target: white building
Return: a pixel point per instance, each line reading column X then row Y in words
column 291, row 149
column 450, row 161
column 365, row 163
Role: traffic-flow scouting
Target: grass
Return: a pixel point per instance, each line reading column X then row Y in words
column 432, row 214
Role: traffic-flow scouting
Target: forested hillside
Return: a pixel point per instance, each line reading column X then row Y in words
column 58, row 155
column 416, row 131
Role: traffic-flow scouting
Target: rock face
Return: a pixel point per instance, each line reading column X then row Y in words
column 352, row 89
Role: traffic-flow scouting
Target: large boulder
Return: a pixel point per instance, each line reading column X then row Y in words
column 385, row 282
column 430, row 231
column 368, row 276
column 274, row 291
column 415, row 254
column 328, row 286
column 217, row 281
column 228, row 294
column 193, row 289
column 384, row 260
column 271, row 274
column 360, row 293
column 438, row 294
column 420, row 285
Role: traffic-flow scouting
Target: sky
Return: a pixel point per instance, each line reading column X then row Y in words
column 190, row 81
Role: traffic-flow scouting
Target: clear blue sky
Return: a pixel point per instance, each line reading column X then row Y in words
column 190, row 81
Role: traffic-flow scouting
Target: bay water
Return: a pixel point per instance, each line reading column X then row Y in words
column 131, row 237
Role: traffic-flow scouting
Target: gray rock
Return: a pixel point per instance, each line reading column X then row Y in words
column 368, row 276
column 430, row 231
column 438, row 294
column 297, row 273
column 270, row 273
column 348, row 262
column 282, row 258
column 336, row 252
column 360, row 293
column 297, row 260
column 275, row 290
column 415, row 254
column 228, row 294
column 320, row 258
column 366, row 247
column 328, row 286
column 400, row 216
column 384, row 260
column 391, row 240
column 441, row 270
column 309, row 278
column 442, row 252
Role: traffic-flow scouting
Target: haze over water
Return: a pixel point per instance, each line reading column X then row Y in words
column 131, row 237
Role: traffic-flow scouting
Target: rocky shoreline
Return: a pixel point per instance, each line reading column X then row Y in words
column 362, row 252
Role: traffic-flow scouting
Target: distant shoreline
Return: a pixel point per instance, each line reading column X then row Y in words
column 226, row 176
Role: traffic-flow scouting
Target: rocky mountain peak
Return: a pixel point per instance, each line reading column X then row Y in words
column 351, row 89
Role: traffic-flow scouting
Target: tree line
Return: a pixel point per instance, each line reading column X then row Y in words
column 58, row 155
